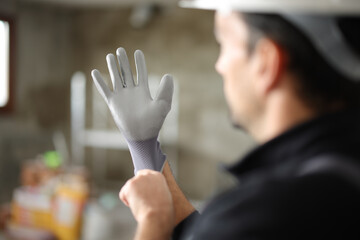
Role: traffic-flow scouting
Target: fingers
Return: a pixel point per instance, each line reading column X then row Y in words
column 138, row 184
column 129, row 185
column 100, row 84
column 166, row 89
column 141, row 71
column 125, row 67
column 123, row 193
column 124, row 78
column 114, row 72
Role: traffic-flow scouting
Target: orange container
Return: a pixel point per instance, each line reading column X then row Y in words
column 69, row 201
column 31, row 207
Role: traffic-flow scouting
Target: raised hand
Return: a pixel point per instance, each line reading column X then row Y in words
column 137, row 115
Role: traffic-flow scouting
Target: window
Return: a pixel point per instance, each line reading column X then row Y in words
column 4, row 63
column 5, row 56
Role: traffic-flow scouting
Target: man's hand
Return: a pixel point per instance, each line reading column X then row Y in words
column 138, row 116
column 149, row 198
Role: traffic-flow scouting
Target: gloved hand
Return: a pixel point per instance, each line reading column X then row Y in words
column 136, row 114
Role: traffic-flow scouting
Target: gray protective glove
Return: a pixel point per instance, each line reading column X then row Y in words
column 137, row 115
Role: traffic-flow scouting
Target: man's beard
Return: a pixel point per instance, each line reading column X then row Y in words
column 235, row 123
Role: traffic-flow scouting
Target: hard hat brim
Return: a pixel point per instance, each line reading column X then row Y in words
column 338, row 7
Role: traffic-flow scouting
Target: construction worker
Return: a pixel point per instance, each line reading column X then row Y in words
column 291, row 72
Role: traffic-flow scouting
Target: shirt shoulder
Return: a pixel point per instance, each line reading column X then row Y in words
column 311, row 206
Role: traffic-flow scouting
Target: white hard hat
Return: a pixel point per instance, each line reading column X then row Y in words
column 275, row 6
column 317, row 19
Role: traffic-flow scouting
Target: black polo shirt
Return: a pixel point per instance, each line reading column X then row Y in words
column 304, row 184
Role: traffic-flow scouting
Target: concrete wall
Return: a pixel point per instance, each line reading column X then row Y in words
column 7, row 7
column 54, row 42
column 43, row 66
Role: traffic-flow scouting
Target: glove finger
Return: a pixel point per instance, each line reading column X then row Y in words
column 100, row 84
column 166, row 89
column 125, row 67
column 141, row 72
column 114, row 72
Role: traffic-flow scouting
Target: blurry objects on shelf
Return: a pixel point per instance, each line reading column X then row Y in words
column 29, row 174
column 40, row 170
column 32, row 207
column 97, row 224
column 4, row 216
column 16, row 231
column 99, row 219
column 61, row 146
column 2, row 236
column 70, row 198
column 109, row 200
column 51, row 199
column 52, row 159
column 79, row 172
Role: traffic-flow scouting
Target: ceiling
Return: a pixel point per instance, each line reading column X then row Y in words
column 102, row 3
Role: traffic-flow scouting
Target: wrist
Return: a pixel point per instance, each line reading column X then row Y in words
column 160, row 215
column 146, row 154
column 182, row 207
column 155, row 224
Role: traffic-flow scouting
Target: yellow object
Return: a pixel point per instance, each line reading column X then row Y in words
column 16, row 231
column 32, row 208
column 70, row 198
column 56, row 207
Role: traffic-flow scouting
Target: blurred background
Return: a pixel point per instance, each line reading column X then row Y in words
column 62, row 160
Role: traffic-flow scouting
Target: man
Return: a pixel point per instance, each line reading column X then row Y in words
column 292, row 82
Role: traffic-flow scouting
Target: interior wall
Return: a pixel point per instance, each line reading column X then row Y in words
column 7, row 7
column 43, row 66
column 54, row 42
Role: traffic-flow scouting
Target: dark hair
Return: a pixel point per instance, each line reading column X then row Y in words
column 319, row 85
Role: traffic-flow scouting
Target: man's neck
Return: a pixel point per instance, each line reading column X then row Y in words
column 283, row 112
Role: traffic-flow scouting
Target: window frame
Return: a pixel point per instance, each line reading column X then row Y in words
column 8, row 108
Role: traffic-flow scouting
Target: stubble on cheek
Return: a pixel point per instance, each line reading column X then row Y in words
column 236, row 123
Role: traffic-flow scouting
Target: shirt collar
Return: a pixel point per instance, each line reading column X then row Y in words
column 304, row 139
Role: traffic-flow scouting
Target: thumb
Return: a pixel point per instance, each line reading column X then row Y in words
column 166, row 89
column 100, row 84
column 123, row 194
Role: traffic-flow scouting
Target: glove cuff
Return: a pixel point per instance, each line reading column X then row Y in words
column 146, row 154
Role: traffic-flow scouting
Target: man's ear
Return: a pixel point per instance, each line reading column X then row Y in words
column 269, row 65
